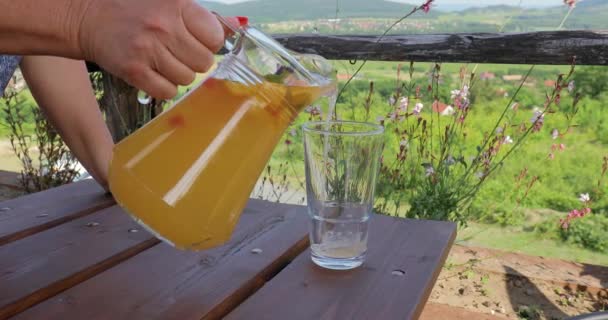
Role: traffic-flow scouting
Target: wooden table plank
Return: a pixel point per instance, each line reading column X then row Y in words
column 373, row 291
column 37, row 212
column 39, row 266
column 165, row 283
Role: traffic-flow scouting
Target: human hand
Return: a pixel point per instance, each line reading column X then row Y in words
column 154, row 45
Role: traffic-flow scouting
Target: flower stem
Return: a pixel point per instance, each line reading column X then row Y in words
column 561, row 25
column 496, row 125
column 414, row 10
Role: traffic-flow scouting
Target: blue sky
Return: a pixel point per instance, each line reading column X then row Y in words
column 468, row 3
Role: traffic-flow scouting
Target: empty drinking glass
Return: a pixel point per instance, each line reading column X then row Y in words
column 342, row 161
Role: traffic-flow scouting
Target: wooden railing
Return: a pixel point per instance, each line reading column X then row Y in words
column 558, row 48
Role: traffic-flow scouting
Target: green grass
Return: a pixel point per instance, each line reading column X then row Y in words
column 378, row 70
column 516, row 239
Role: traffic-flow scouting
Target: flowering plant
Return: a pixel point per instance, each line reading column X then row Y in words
column 431, row 173
column 436, row 161
column 576, row 213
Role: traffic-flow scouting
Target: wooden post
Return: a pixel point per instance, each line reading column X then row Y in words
column 124, row 114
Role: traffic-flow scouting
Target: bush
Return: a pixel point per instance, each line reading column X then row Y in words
column 547, row 227
column 589, row 232
column 593, row 81
column 55, row 165
column 504, row 214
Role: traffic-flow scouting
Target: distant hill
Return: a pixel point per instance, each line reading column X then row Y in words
column 503, row 9
column 592, row 3
column 284, row 10
column 589, row 14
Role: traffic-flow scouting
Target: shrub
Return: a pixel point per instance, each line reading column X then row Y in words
column 589, row 233
column 55, row 164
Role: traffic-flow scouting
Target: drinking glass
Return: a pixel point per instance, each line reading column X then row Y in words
column 342, row 160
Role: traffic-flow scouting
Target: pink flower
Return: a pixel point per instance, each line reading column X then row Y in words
column 418, row 108
column 571, row 86
column 570, row 3
column 460, row 97
column 574, row 214
column 465, row 91
column 403, row 104
column 560, row 147
column 538, row 120
column 554, row 134
column 551, row 156
column 313, row 110
column 426, row 7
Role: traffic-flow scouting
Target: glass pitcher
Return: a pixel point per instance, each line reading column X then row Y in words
column 187, row 175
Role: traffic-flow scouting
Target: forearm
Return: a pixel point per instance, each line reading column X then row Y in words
column 34, row 27
column 63, row 90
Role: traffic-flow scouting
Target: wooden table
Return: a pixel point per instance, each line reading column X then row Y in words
column 71, row 253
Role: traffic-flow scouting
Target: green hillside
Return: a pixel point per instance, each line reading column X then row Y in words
column 589, row 14
column 284, row 10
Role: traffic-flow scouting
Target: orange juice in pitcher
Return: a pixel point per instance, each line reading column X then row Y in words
column 187, row 175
